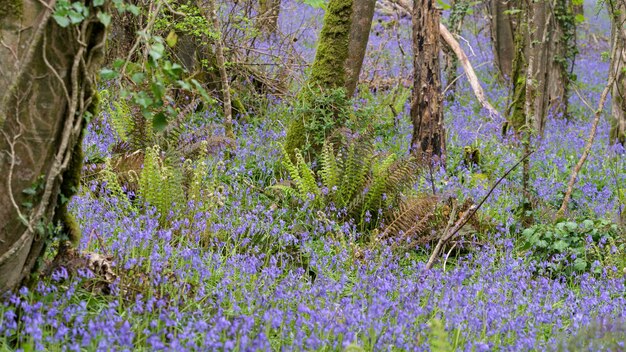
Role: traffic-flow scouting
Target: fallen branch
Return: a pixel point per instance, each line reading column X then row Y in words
column 406, row 8
column 448, row 38
column 451, row 231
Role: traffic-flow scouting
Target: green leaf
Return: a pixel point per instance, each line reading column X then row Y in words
column 143, row 100
column 444, row 5
column 62, row 21
column 588, row 224
column 159, row 121
column 104, row 18
column 579, row 18
column 97, row 3
column 318, row 4
column 107, row 74
column 560, row 246
column 158, row 90
column 528, row 232
column 138, row 77
column 172, row 39
column 156, row 51
column 571, row 226
column 31, row 191
column 133, row 9
column 580, row 264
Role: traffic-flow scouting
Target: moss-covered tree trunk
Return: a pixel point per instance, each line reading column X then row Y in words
column 426, row 105
column 455, row 22
column 617, row 10
column 551, row 42
column 327, row 73
column 362, row 16
column 47, row 77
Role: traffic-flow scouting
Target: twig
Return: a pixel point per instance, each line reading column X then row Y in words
column 592, row 135
column 449, row 233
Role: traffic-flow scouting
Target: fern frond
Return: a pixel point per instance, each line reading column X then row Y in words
column 330, row 171
column 357, row 166
column 121, row 118
column 292, row 169
column 411, row 219
column 286, row 190
column 309, row 185
column 113, row 185
column 402, row 174
column 378, row 185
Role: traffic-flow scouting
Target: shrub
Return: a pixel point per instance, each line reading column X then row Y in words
column 567, row 246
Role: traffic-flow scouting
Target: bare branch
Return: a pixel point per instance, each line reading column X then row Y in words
column 469, row 70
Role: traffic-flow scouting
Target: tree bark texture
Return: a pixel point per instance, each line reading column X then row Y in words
column 328, row 72
column 617, row 10
column 426, row 106
column 47, row 74
column 547, row 39
column 361, row 24
column 502, row 35
column 455, row 22
column 328, row 69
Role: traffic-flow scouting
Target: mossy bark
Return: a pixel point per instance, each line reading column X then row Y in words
column 617, row 9
column 11, row 8
column 42, row 114
column 360, row 28
column 550, row 42
column 516, row 116
column 327, row 73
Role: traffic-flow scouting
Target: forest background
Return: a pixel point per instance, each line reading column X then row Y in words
column 312, row 175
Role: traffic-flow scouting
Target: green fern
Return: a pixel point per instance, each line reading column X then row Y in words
column 331, row 167
column 293, row 171
column 113, row 185
column 159, row 185
column 357, row 166
column 308, row 185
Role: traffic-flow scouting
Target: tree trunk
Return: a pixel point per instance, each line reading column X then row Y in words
column 327, row 73
column 502, row 30
column 207, row 8
column 48, row 74
column 426, row 106
column 550, row 42
column 362, row 16
column 617, row 9
column 459, row 9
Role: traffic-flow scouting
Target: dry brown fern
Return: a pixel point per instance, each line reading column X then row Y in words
column 412, row 220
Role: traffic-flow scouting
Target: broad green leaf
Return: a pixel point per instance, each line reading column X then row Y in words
column 62, row 21
column 104, row 18
column 560, row 246
column 159, row 122
column 172, row 39
column 108, row 74
column 580, row 264
column 156, row 51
